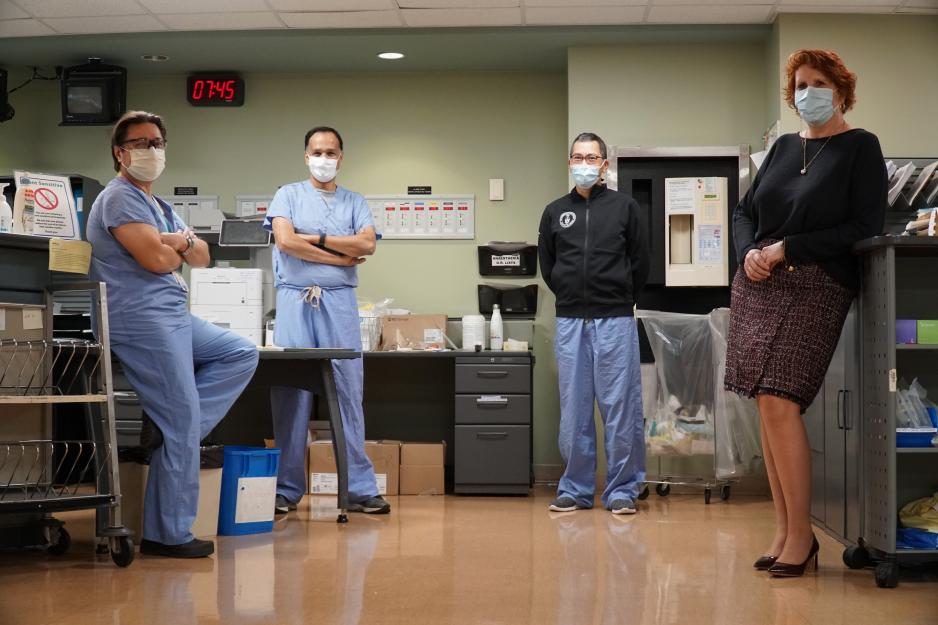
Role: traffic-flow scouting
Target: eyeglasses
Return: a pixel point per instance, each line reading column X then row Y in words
column 592, row 159
column 143, row 143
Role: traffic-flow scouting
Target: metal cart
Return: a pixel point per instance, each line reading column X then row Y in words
column 690, row 353
column 39, row 477
column 898, row 282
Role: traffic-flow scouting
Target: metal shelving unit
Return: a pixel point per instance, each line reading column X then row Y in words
column 896, row 284
column 39, row 477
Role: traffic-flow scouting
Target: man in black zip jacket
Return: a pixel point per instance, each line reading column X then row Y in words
column 594, row 257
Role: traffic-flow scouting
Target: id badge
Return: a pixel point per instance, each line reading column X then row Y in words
column 181, row 281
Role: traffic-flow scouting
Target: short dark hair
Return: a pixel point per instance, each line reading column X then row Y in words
column 586, row 137
column 323, row 129
column 128, row 119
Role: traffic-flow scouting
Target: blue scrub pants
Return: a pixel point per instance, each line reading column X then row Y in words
column 187, row 376
column 598, row 360
column 334, row 323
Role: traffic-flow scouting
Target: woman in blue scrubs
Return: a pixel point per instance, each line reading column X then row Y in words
column 186, row 371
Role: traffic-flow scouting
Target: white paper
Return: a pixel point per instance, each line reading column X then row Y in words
column 433, row 335
column 506, row 260
column 710, row 244
column 44, row 206
column 3, row 319
column 679, row 194
column 328, row 483
column 32, row 319
column 256, row 498
column 892, row 380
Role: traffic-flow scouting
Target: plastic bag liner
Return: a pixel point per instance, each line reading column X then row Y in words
column 210, row 456
column 692, row 414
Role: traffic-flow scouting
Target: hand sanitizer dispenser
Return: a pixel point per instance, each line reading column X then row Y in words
column 6, row 213
column 695, row 242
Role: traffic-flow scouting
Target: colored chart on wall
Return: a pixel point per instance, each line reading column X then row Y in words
column 423, row 216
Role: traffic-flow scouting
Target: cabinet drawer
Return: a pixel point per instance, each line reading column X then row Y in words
column 127, row 406
column 128, row 433
column 485, row 409
column 492, row 454
column 493, row 378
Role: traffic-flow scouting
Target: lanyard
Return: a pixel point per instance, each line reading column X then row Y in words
column 167, row 218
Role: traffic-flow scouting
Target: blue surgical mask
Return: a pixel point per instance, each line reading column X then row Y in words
column 815, row 105
column 585, row 176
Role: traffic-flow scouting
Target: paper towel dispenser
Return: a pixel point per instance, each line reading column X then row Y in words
column 503, row 258
column 512, row 300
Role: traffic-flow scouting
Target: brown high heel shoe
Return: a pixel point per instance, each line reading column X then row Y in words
column 764, row 563
column 783, row 569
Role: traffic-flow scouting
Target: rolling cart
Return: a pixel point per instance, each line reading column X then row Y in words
column 42, row 476
column 898, row 283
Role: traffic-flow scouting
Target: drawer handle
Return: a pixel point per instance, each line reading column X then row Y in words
column 126, row 397
column 492, row 402
column 492, row 436
column 492, row 374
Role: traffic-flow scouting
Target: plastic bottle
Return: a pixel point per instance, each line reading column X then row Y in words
column 6, row 213
column 496, row 334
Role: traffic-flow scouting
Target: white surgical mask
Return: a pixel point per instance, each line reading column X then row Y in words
column 585, row 176
column 323, row 169
column 146, row 164
column 815, row 105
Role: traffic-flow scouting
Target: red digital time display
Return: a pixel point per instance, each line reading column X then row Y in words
column 215, row 90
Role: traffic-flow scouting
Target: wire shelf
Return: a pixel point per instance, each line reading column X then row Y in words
column 28, row 470
column 54, row 368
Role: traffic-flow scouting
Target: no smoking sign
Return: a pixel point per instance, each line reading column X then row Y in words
column 46, row 198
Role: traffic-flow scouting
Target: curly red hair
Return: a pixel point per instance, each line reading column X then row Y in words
column 828, row 63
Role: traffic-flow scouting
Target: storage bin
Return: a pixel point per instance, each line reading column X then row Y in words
column 248, row 490
column 915, row 437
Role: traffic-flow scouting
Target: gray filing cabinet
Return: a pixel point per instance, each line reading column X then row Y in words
column 832, row 422
column 128, row 414
column 493, row 424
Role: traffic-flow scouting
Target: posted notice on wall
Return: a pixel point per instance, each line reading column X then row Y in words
column 44, row 206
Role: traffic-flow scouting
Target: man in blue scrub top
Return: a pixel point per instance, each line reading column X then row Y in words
column 323, row 232
column 186, row 371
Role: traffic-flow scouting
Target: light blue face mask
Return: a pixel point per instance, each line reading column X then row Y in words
column 585, row 176
column 815, row 105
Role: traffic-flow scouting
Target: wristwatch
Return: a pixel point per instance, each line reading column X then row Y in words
column 322, row 239
column 190, row 240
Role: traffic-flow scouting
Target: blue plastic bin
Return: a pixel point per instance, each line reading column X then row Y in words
column 248, row 491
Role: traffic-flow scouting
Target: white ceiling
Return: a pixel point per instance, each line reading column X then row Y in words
column 28, row 18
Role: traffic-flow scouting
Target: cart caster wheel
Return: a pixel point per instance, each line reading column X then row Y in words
column 707, row 493
column 856, row 557
column 887, row 574
column 124, row 554
column 663, row 489
column 60, row 540
column 725, row 492
column 343, row 518
column 642, row 496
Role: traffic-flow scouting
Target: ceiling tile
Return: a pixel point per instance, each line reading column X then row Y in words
column 113, row 24
column 332, row 5
column 221, row 21
column 169, row 7
column 590, row 3
column 457, row 4
column 9, row 11
column 461, row 17
column 84, row 8
column 23, row 28
column 353, row 19
column 710, row 14
column 830, row 8
column 559, row 16
column 842, row 3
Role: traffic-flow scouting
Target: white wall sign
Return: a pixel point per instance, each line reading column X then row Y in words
column 423, row 216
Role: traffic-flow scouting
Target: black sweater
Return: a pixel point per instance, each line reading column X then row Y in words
column 593, row 253
column 820, row 215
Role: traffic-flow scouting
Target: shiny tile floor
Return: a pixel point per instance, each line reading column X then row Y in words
column 478, row 561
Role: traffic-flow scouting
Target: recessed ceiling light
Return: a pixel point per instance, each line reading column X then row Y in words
column 391, row 56
column 154, row 58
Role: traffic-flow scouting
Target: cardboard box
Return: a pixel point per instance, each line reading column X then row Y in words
column 385, row 455
column 133, row 478
column 413, row 332
column 422, row 468
column 928, row 331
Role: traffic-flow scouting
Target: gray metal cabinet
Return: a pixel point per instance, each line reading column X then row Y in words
column 831, row 422
column 493, row 425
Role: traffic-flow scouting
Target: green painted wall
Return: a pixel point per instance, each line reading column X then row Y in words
column 897, row 81
column 451, row 131
column 668, row 94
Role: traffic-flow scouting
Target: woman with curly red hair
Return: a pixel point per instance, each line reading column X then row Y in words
column 817, row 193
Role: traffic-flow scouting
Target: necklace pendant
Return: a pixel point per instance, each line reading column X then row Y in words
column 804, row 171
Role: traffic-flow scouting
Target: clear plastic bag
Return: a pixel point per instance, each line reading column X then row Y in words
column 369, row 316
column 910, row 407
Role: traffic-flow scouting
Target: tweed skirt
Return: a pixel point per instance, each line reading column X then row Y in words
column 783, row 332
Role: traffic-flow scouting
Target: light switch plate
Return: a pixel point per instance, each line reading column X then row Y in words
column 496, row 189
